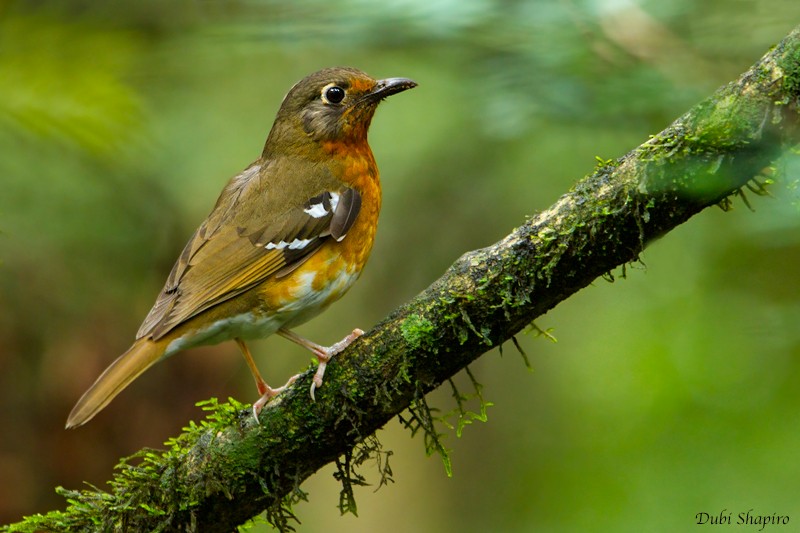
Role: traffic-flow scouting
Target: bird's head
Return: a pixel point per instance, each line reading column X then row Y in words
column 331, row 105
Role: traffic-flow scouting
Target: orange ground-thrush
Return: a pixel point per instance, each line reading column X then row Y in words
column 287, row 237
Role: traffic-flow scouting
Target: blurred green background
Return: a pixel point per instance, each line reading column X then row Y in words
column 669, row 393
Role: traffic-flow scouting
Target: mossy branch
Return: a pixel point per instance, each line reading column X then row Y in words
column 227, row 470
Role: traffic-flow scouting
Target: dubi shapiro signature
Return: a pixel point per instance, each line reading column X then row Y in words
column 743, row 518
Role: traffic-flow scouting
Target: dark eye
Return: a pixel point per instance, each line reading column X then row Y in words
column 333, row 94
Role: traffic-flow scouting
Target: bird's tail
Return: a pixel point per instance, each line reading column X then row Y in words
column 142, row 355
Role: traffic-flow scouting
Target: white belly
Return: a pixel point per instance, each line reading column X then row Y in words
column 306, row 303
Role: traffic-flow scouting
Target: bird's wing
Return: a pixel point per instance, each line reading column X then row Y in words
column 230, row 253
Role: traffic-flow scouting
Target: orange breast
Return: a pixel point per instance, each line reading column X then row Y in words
column 331, row 270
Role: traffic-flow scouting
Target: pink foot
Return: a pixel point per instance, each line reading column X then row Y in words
column 269, row 393
column 325, row 354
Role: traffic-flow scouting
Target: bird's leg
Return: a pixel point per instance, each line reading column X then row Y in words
column 266, row 392
column 262, row 386
column 323, row 353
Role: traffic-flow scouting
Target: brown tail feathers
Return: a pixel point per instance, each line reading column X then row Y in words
column 128, row 366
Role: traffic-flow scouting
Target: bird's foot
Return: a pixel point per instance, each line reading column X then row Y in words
column 268, row 393
column 325, row 354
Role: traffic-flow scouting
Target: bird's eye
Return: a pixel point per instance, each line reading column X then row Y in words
column 333, row 94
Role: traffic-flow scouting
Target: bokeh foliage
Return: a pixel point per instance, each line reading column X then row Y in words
column 669, row 393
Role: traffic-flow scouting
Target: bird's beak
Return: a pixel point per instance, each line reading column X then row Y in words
column 388, row 87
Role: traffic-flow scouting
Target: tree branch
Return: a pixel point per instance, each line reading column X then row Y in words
column 229, row 469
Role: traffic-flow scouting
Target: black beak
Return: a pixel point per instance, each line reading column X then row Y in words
column 390, row 86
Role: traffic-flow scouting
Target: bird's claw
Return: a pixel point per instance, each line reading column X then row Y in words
column 316, row 381
column 326, row 354
column 270, row 393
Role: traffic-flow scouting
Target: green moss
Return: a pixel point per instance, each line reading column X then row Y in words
column 789, row 62
column 418, row 332
column 154, row 472
column 348, row 471
column 463, row 415
column 421, row 417
column 722, row 124
column 605, row 166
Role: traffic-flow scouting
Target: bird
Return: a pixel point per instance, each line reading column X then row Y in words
column 287, row 237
